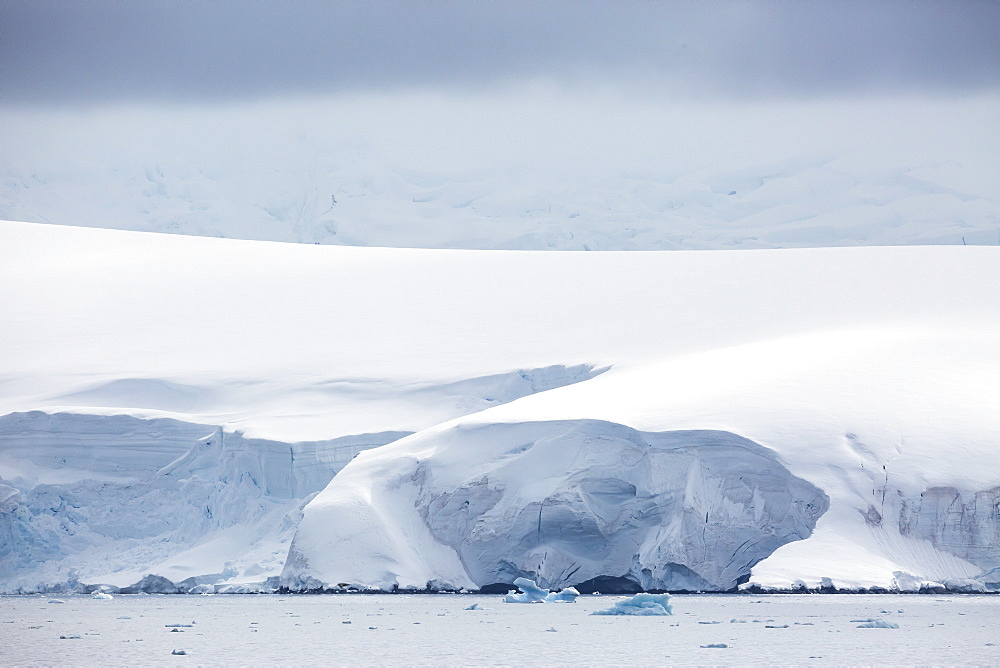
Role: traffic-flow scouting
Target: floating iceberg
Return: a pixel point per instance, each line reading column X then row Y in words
column 532, row 593
column 567, row 595
column 102, row 596
column 877, row 624
column 641, row 605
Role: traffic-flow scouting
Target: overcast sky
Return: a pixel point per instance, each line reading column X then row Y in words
column 54, row 52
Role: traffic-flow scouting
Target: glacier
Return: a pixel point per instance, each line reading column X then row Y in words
column 562, row 503
column 107, row 499
column 355, row 418
column 112, row 499
column 575, row 499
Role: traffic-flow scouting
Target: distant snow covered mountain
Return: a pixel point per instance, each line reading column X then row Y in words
column 524, row 170
column 175, row 406
column 800, row 202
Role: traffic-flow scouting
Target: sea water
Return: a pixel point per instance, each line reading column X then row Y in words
column 439, row 629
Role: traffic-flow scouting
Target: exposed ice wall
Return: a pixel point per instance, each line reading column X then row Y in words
column 111, row 498
column 966, row 525
column 561, row 503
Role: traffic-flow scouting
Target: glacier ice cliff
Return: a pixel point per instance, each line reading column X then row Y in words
column 87, row 498
column 564, row 503
column 116, row 499
column 965, row 525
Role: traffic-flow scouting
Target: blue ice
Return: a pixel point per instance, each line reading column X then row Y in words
column 641, row 604
column 877, row 624
column 532, row 593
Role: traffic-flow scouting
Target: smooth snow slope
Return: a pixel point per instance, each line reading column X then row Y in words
column 836, row 361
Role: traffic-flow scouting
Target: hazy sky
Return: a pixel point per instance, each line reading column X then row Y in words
column 55, row 52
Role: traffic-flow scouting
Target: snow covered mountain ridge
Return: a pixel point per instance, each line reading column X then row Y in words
column 532, row 169
column 691, row 420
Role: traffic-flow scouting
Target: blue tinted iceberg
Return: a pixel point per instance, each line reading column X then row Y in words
column 567, row 595
column 532, row 593
column 642, row 605
column 877, row 624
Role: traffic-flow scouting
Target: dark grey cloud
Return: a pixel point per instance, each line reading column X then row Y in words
column 97, row 51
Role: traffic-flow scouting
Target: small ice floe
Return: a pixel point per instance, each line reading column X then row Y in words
column 72, row 636
column 715, row 645
column 875, row 624
column 102, row 596
column 775, row 626
column 709, row 622
column 532, row 593
column 474, row 606
column 551, row 629
column 56, row 600
column 178, row 626
column 641, row 605
column 737, row 621
column 179, row 652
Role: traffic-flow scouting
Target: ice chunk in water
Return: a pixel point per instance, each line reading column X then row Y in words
column 532, row 593
column 101, row 595
column 877, row 624
column 567, row 595
column 640, row 604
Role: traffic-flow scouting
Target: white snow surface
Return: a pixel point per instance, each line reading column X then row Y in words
column 868, row 374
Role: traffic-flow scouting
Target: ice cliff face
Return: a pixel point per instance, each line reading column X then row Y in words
column 965, row 525
column 567, row 503
column 861, row 485
column 111, row 498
